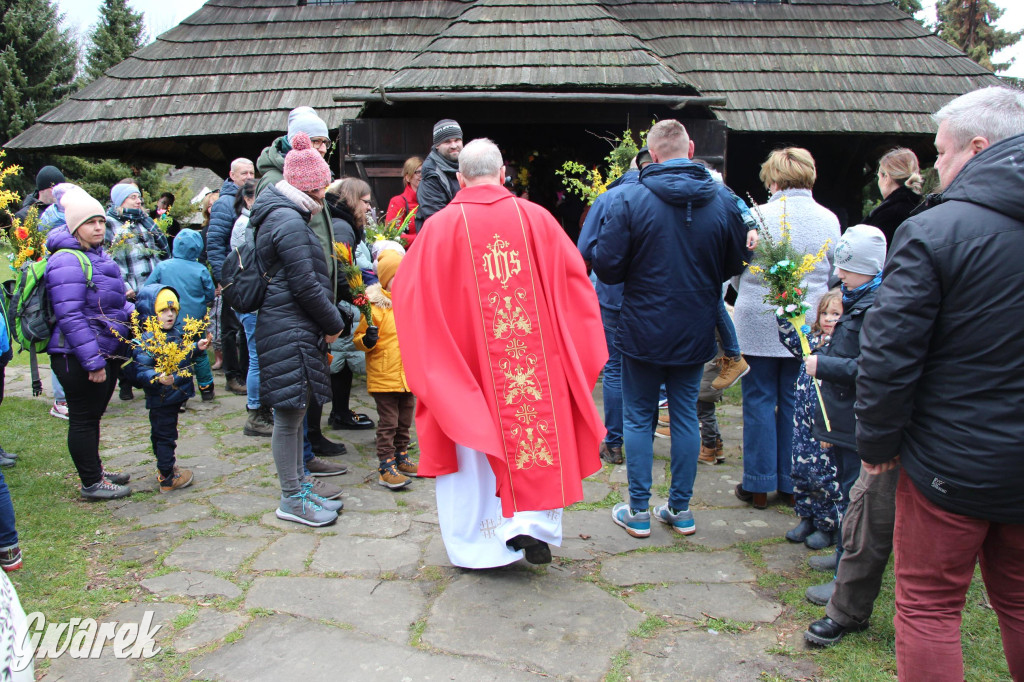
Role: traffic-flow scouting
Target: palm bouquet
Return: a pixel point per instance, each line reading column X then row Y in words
column 354, row 276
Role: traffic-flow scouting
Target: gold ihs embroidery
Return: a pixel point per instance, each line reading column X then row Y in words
column 520, row 382
column 500, row 263
column 532, row 447
column 509, row 315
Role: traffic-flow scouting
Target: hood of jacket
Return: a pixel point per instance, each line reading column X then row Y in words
column 630, row 177
column 679, row 182
column 145, row 301
column 60, row 238
column 272, row 157
column 228, row 189
column 269, row 200
column 994, row 179
column 188, row 245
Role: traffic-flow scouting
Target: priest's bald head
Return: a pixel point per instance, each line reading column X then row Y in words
column 480, row 164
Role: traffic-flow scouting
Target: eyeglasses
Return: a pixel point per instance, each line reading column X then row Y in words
column 320, row 142
column 418, row 171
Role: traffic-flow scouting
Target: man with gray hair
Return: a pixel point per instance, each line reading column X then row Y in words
column 940, row 389
column 505, row 418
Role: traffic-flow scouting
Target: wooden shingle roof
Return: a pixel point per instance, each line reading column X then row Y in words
column 238, row 66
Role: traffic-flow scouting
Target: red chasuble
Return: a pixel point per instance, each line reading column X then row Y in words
column 502, row 343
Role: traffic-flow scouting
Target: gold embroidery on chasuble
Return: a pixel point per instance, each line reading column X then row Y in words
column 505, row 282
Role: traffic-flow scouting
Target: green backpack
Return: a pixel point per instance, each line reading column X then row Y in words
column 31, row 311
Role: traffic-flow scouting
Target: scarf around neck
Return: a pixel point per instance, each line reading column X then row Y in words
column 298, row 197
column 851, row 296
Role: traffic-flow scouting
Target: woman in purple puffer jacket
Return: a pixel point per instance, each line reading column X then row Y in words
column 83, row 350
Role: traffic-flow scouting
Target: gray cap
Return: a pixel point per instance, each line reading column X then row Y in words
column 861, row 250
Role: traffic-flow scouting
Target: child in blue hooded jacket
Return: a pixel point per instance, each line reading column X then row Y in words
column 194, row 286
column 165, row 392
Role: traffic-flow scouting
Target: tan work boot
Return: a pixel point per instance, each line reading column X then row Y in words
column 707, row 455
column 180, row 478
column 731, row 369
column 405, row 465
column 389, row 477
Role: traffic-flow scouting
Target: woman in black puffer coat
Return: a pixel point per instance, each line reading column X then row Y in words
column 296, row 322
column 899, row 181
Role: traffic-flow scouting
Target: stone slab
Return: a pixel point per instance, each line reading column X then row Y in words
column 196, row 442
column 289, row 648
column 244, row 505
column 287, row 553
column 207, row 469
column 588, row 534
column 106, row 668
column 175, row 514
column 427, row 517
column 210, row 626
column 355, row 601
column 366, row 556
column 365, row 499
column 436, row 554
column 270, row 520
column 785, row 557
column 191, row 584
column 720, row 528
column 213, row 553
column 163, row 615
column 715, row 486
column 676, row 567
column 658, row 475
column 386, row 525
column 699, row 655
column 531, row 620
column 694, row 601
column 595, row 491
column 130, row 509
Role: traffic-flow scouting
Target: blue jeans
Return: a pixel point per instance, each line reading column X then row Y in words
column 58, row 390
column 769, row 399
column 641, row 383
column 252, row 377
column 611, row 381
column 727, row 331
column 8, row 535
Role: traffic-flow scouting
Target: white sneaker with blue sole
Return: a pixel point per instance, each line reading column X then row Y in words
column 681, row 522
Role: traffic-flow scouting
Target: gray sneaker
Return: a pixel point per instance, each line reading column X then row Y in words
column 105, row 490
column 301, row 508
column 326, row 490
column 329, row 505
column 820, row 594
column 321, row 467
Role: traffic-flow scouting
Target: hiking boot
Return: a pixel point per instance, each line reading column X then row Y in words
column 326, row 490
column 826, row 632
column 758, row 500
column 325, row 448
column 707, row 455
column 787, row 499
column 637, row 523
column 534, row 551
column 254, row 426
column 10, row 559
column 333, row 505
column 116, row 477
column 820, row 539
column 612, row 453
column 729, row 372
column 266, row 414
column 301, row 508
column 828, row 562
column 235, row 386
column 719, row 450
column 180, row 478
column 321, row 467
column 681, row 521
column 820, row 594
column 59, row 409
column 405, row 465
column 662, row 432
column 104, row 490
column 389, row 477
column 800, row 532
column 206, row 392
column 7, row 462
column 351, row 421
column 126, row 393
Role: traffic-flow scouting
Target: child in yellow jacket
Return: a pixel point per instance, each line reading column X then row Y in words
column 385, row 379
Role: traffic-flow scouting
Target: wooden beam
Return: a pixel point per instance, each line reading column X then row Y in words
column 672, row 101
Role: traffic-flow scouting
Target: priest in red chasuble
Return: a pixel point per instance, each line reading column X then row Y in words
column 502, row 344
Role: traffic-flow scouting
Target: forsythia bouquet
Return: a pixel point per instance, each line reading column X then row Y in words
column 167, row 355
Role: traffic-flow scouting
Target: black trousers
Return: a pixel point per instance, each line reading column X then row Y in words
column 341, row 388
column 233, row 346
column 163, row 433
column 87, row 401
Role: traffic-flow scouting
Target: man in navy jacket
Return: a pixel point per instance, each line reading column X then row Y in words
column 671, row 239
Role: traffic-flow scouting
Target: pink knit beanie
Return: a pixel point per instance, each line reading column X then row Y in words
column 79, row 207
column 304, row 168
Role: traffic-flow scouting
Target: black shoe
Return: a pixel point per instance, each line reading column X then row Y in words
column 826, row 632
column 351, row 422
column 535, row 551
column 126, row 393
column 802, row 530
column 325, row 448
column 183, row 407
column 206, row 392
column 612, row 453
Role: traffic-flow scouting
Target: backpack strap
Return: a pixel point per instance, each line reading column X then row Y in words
column 84, row 261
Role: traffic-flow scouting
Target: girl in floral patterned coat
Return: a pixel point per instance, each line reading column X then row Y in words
column 815, row 485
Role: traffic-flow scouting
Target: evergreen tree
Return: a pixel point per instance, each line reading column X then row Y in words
column 968, row 26
column 118, row 33
column 38, row 64
column 911, row 7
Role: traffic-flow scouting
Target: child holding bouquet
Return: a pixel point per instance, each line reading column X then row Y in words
column 385, row 378
column 815, row 487
column 165, row 390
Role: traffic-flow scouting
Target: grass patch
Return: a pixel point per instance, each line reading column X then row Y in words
column 617, row 673
column 185, row 618
column 726, row 625
column 67, row 561
column 649, row 628
column 609, row 501
column 416, row 632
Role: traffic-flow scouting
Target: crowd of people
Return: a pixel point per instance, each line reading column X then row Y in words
column 905, row 360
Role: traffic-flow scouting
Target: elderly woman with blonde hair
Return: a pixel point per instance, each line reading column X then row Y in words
column 769, row 389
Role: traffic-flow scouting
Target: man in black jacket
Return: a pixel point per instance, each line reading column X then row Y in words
column 438, row 183
column 940, row 389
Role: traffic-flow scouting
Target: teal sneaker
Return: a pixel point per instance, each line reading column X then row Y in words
column 329, row 505
column 681, row 522
column 636, row 523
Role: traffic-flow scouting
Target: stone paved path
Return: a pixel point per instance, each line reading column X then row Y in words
column 244, row 596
